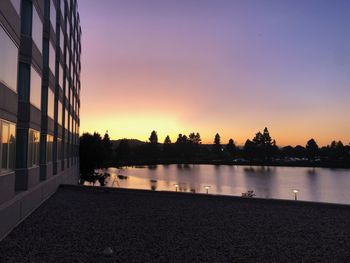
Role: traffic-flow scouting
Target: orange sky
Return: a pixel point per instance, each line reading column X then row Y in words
column 221, row 66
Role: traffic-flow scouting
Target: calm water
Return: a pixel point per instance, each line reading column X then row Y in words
column 314, row 184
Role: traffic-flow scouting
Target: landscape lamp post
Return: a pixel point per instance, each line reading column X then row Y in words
column 207, row 188
column 176, row 186
column 295, row 191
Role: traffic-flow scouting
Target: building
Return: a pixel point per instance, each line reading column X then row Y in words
column 40, row 48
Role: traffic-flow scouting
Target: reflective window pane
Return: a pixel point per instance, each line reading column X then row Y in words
column 52, row 58
column 59, row 113
column 5, row 146
column 37, row 30
column 8, row 61
column 33, row 148
column 60, row 73
column 61, row 40
column 59, row 149
column 17, row 5
column 62, row 7
column 50, row 103
column 66, row 118
column 53, row 15
column 49, row 148
column 35, row 88
column 12, row 146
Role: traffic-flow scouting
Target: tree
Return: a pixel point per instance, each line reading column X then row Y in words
column 231, row 148
column 91, row 153
column 167, row 147
column 167, row 140
column 217, row 146
column 153, row 139
column 259, row 139
column 217, row 140
column 195, row 138
column 249, row 149
column 192, row 148
column 263, row 145
column 152, row 147
column 107, row 147
column 266, row 137
column 123, row 150
column 312, row 149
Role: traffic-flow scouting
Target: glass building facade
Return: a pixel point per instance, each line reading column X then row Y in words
column 40, row 66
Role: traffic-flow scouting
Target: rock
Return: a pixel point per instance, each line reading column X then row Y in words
column 108, row 251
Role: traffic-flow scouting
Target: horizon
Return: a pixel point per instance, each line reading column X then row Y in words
column 231, row 67
column 173, row 140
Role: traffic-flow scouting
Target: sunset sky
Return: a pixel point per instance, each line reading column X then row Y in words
column 226, row 66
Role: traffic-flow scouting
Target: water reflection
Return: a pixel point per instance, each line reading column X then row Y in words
column 152, row 167
column 260, row 179
column 317, row 184
column 153, row 184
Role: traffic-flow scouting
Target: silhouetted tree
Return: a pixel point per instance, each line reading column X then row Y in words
column 217, row 140
column 217, row 148
column 123, row 151
column 91, row 153
column 312, row 149
column 183, row 147
column 258, row 139
column 267, row 137
column 231, row 148
column 167, row 140
column 167, row 147
column 300, row 151
column 195, row 138
column 249, row 149
column 192, row 150
column 153, row 149
column 288, row 151
column 107, row 147
column 153, row 139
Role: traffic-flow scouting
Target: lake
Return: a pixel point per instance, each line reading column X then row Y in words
column 314, row 184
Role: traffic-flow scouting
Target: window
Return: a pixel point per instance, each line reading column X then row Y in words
column 62, row 7
column 35, row 88
column 33, row 148
column 50, row 103
column 68, row 28
column 66, row 119
column 61, row 40
column 53, row 15
column 67, row 57
column 60, row 73
column 52, row 58
column 59, row 149
column 71, row 98
column 71, row 125
column 67, row 87
column 59, row 113
column 17, row 5
column 49, row 148
column 37, row 30
column 67, row 149
column 7, row 146
column 8, row 58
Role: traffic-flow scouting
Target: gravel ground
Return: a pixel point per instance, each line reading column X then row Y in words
column 77, row 224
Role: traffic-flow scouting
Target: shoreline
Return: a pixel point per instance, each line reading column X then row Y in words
column 301, row 164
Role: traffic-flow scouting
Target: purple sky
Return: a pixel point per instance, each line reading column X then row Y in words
column 224, row 66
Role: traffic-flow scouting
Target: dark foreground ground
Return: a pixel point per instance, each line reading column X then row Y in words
column 77, row 224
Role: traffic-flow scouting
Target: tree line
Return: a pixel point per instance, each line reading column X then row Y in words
column 262, row 149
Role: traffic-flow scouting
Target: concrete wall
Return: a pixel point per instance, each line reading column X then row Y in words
column 19, row 206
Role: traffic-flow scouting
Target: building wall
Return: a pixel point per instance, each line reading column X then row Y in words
column 39, row 99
